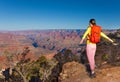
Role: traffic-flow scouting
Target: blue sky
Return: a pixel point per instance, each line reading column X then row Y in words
column 58, row 14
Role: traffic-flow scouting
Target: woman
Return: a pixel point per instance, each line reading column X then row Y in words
column 91, row 47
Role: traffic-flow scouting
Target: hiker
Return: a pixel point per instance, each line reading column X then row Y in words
column 91, row 45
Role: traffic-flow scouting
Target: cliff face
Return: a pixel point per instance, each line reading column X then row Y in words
column 76, row 72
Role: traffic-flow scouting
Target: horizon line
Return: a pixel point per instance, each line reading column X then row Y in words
column 50, row 29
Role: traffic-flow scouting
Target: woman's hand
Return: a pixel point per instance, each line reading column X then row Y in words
column 115, row 44
column 81, row 41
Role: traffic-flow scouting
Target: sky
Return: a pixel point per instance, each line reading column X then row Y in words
column 58, row 14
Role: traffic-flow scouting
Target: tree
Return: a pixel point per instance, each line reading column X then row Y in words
column 23, row 65
column 42, row 68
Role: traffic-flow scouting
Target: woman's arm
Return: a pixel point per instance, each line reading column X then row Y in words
column 85, row 34
column 105, row 36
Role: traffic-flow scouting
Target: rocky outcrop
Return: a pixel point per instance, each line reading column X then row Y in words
column 74, row 71
column 62, row 57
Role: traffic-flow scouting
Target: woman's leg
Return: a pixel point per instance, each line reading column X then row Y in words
column 91, row 50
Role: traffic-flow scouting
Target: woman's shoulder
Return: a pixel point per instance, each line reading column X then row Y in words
column 88, row 28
